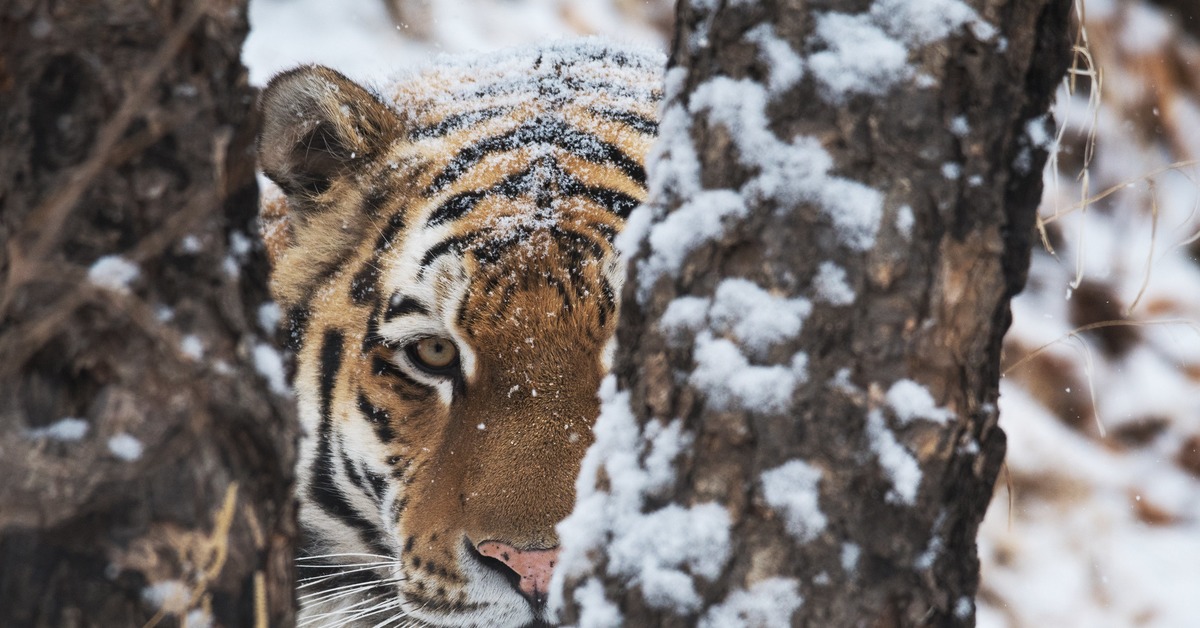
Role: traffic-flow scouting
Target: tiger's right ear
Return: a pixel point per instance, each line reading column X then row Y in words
column 318, row 125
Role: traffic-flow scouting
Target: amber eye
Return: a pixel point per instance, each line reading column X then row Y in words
column 434, row 354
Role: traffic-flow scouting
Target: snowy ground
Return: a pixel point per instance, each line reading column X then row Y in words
column 1104, row 424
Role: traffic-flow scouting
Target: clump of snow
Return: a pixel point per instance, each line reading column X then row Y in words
column 867, row 53
column 69, row 429
column 741, row 308
column 113, row 272
column 849, row 557
column 172, row 596
column 190, row 244
column 963, row 607
column 231, row 267
column 192, row 347
column 959, row 126
column 920, row 23
column 766, row 604
column 700, row 220
column 905, row 221
column 661, row 551
column 897, row 463
column 789, row 173
column 793, row 490
column 785, row 67
column 911, row 400
column 268, row 317
column 927, row 558
column 686, row 313
column 757, row 318
column 269, row 364
column 198, row 618
column 654, row 551
column 125, row 446
column 830, row 285
column 860, row 59
column 595, row 610
column 730, row 381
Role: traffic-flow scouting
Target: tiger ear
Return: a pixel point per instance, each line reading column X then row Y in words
column 318, row 125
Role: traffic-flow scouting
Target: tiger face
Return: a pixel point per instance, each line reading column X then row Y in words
column 444, row 255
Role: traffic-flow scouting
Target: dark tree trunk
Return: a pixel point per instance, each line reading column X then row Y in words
column 166, row 492
column 851, row 494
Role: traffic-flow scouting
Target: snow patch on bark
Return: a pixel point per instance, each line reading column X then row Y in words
column 784, row 66
column 659, row 551
column 113, row 272
column 911, row 400
column 729, row 381
column 269, row 364
column 793, row 491
column 758, row 319
column 69, row 429
column 770, row 602
column 830, row 285
column 867, row 53
column 125, row 447
column 897, row 463
column 789, row 173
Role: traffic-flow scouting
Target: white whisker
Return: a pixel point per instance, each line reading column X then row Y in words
column 318, row 557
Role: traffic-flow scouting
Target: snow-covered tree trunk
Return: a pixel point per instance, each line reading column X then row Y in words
column 801, row 426
column 145, row 465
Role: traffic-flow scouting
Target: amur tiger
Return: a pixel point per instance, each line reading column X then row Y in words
column 443, row 251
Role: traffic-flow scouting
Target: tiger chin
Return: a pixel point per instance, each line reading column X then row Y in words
column 443, row 251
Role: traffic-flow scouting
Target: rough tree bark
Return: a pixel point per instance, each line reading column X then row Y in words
column 127, row 132
column 854, row 499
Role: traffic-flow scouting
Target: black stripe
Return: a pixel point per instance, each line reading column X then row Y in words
column 388, row 235
column 615, row 201
column 609, row 305
column 456, row 206
column 400, row 305
column 372, row 339
column 378, row 483
column 362, row 286
column 375, row 200
column 638, row 123
column 568, row 240
column 448, row 245
column 379, row 418
column 457, row 122
column 297, row 326
column 540, row 178
column 551, row 130
column 352, row 473
column 331, row 364
column 322, row 487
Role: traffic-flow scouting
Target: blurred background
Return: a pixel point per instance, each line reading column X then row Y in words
column 1096, row 519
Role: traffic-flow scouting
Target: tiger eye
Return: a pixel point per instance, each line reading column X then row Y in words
column 435, row 352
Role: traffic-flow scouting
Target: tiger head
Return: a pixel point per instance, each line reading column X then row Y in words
column 444, row 256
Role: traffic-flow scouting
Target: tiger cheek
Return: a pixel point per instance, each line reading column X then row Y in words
column 524, row 450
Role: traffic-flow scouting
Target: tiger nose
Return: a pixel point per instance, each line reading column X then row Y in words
column 532, row 567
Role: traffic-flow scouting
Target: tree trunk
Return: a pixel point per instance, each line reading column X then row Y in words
column 147, row 466
column 813, row 316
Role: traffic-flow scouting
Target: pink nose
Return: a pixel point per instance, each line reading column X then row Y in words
column 534, row 567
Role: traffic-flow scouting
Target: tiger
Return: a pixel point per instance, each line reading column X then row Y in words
column 442, row 250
